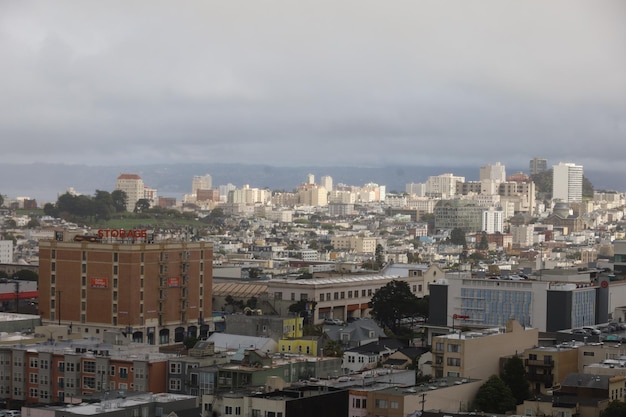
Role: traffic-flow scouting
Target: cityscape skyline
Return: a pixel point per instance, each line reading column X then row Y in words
column 321, row 84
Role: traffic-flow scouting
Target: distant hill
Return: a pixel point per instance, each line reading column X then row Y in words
column 45, row 181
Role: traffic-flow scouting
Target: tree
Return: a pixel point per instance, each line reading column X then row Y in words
column 26, row 275
column 484, row 243
column 615, row 408
column 380, row 256
column 1, row 200
column 333, row 348
column 494, row 397
column 303, row 308
column 32, row 223
column 51, row 210
column 142, row 205
column 457, row 237
column 119, row 199
column 514, row 376
column 392, row 302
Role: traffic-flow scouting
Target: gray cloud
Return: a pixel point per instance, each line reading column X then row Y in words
column 324, row 82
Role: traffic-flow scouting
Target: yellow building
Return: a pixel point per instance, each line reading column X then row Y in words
column 305, row 346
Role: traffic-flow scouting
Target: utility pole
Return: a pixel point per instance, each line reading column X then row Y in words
column 423, row 400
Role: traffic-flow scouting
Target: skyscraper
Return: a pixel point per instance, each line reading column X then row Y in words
column 567, row 182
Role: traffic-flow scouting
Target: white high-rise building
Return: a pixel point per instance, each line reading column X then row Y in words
column 201, row 182
column 133, row 186
column 567, row 182
column 443, row 186
column 416, row 188
column 495, row 172
column 310, row 179
column 327, row 182
column 493, row 221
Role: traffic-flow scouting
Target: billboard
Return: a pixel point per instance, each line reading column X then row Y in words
column 99, row 282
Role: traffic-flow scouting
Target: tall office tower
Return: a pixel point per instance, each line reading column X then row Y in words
column 327, row 182
column 567, row 182
column 158, row 291
column 495, row 172
column 310, row 179
column 201, row 182
column 538, row 165
column 133, row 186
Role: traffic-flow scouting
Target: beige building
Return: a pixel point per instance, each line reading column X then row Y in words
column 546, row 367
column 357, row 244
column 133, row 186
column 476, row 354
column 345, row 296
column 447, row 394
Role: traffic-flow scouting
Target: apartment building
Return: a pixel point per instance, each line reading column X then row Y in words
column 123, row 404
column 65, row 370
column 357, row 244
column 476, row 354
column 310, row 401
column 133, row 186
column 547, row 366
column 567, row 182
column 157, row 293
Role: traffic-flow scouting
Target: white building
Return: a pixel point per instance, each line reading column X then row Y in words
column 416, row 188
column 133, row 186
column 201, row 182
column 495, row 172
column 327, row 182
column 493, row 221
column 443, row 185
column 6, row 251
column 567, row 182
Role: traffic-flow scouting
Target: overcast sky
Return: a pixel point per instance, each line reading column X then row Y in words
column 319, row 83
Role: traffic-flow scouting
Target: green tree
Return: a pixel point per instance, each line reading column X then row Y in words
column 189, row 342
column 333, row 349
column 104, row 205
column 32, row 223
column 484, row 243
column 1, row 200
column 392, row 302
column 303, row 308
column 494, row 396
column 380, row 256
column 457, row 237
column 142, row 205
column 119, row 199
column 51, row 210
column 615, row 408
column 514, row 376
column 26, row 275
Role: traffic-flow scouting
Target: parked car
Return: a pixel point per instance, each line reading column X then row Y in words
column 592, row 330
column 581, row 331
column 333, row 322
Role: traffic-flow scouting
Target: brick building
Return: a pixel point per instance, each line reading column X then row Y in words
column 155, row 292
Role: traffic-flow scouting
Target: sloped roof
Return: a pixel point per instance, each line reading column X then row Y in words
column 358, row 330
column 238, row 289
column 379, row 346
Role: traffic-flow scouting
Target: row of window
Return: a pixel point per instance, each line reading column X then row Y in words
column 340, row 295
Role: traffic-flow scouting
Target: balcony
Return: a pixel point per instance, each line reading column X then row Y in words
column 545, row 378
column 539, row 363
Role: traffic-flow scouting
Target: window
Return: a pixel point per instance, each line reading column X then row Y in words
column 34, row 363
column 322, row 297
column 394, row 404
column 33, row 378
column 89, row 382
column 33, row 392
column 362, row 293
column 336, row 296
column 89, row 367
column 343, row 295
column 123, row 372
column 454, row 348
column 380, row 403
column 112, row 370
column 228, row 410
column 237, row 411
column 454, row 361
column 349, row 294
column 175, row 384
column 175, row 367
column 439, row 346
column 61, row 366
